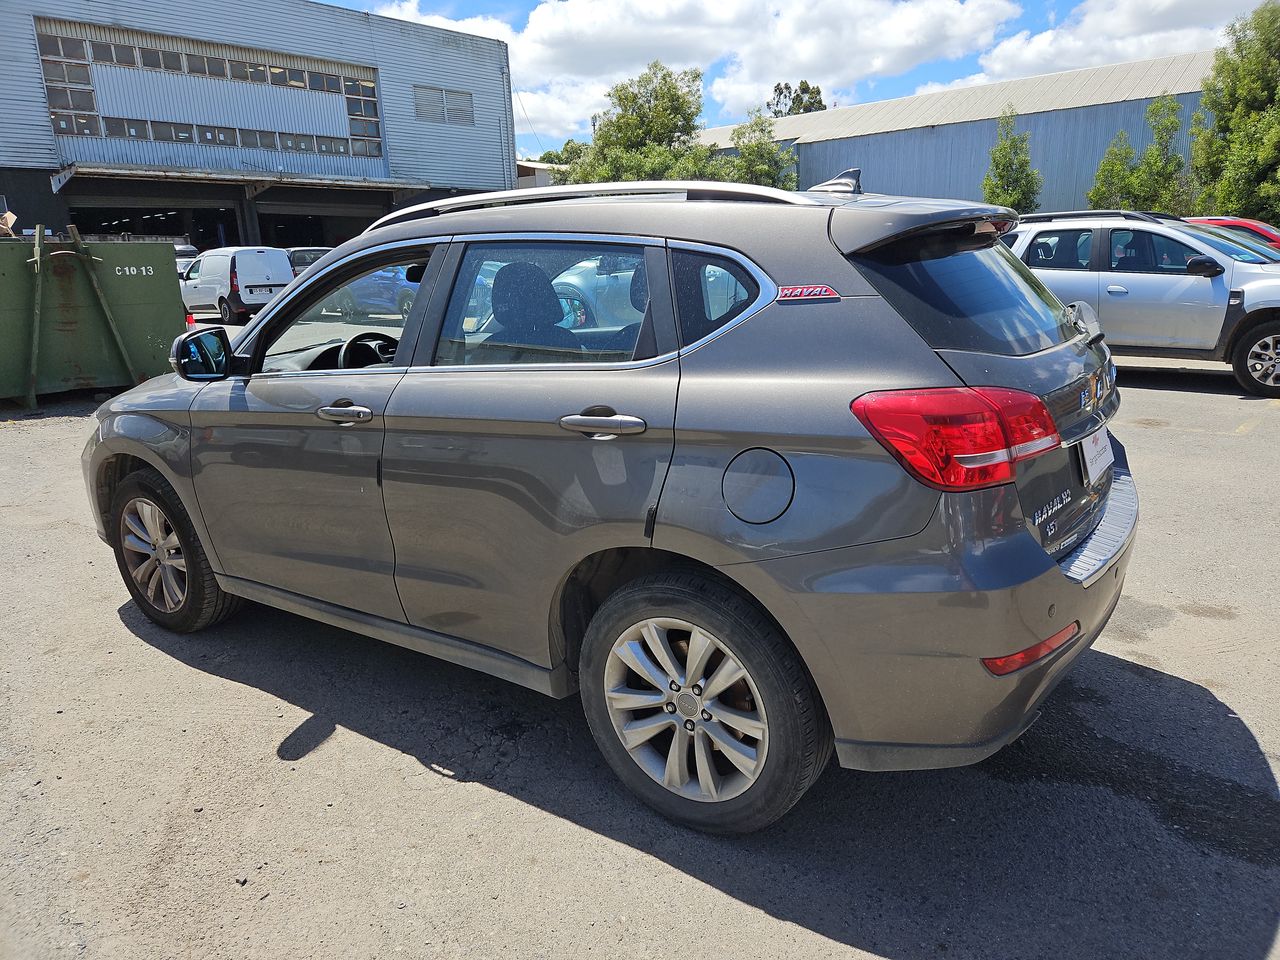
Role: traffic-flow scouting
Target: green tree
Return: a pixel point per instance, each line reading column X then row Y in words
column 1011, row 181
column 649, row 132
column 571, row 151
column 1111, row 189
column 1158, row 180
column 786, row 102
column 757, row 158
column 1236, row 153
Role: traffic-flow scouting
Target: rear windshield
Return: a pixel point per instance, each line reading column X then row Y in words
column 305, row 258
column 963, row 293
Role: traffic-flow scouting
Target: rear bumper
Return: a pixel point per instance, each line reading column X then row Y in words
column 894, row 633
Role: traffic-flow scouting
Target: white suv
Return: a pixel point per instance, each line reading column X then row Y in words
column 1163, row 287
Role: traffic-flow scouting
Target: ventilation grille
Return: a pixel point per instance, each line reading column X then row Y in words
column 437, row 105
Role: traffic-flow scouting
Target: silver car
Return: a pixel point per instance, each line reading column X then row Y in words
column 1163, row 287
column 832, row 474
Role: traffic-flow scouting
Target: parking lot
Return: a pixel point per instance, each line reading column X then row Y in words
column 279, row 788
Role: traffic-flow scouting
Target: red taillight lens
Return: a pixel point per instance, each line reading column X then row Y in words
column 1002, row 666
column 235, row 284
column 959, row 438
column 191, row 320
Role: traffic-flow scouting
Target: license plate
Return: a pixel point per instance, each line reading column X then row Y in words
column 1096, row 452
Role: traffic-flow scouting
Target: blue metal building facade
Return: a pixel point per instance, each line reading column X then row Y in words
column 279, row 109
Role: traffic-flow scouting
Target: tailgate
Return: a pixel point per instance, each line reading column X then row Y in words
column 263, row 268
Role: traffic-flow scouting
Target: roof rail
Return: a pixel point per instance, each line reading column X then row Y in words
column 1082, row 214
column 1161, row 216
column 692, row 190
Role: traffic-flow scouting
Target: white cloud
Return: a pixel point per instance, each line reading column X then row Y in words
column 569, row 52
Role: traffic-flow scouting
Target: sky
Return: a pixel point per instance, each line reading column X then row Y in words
column 565, row 54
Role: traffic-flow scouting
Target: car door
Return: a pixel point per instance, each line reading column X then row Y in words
column 1149, row 300
column 192, row 297
column 1062, row 257
column 515, row 450
column 288, row 459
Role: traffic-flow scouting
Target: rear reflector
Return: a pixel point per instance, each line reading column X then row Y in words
column 959, row 438
column 1002, row 666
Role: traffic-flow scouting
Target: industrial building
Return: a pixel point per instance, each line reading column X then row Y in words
column 939, row 144
column 285, row 122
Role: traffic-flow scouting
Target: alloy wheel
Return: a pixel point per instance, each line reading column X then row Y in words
column 686, row 709
column 1264, row 361
column 153, row 554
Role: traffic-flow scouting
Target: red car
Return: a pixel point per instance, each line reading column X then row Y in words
column 1252, row 229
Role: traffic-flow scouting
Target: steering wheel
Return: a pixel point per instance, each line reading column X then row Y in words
column 379, row 345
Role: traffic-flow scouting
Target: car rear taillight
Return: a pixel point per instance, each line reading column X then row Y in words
column 191, row 320
column 1003, row 666
column 959, row 438
column 235, row 284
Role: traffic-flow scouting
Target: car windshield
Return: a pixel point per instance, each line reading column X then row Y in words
column 1234, row 247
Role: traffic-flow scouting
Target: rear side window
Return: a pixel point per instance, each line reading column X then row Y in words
column 1060, row 250
column 962, row 293
column 710, row 292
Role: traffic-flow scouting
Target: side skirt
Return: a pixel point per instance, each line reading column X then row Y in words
column 554, row 682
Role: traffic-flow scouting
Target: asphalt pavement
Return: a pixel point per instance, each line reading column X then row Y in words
column 279, row 788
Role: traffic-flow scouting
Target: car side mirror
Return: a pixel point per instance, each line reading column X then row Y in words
column 1205, row 267
column 202, row 355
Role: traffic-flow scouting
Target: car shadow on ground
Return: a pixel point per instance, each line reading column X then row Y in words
column 1221, row 382
column 1137, row 818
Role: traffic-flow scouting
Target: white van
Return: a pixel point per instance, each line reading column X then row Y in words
column 235, row 282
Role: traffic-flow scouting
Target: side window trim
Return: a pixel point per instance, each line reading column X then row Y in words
column 660, row 295
column 346, row 270
column 767, row 295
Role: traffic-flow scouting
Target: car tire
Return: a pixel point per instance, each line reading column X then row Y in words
column 225, row 314
column 1256, row 359
column 693, row 780
column 163, row 539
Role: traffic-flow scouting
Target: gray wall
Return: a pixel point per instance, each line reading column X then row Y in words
column 479, row 156
column 951, row 160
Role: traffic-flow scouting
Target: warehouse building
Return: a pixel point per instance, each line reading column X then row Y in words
column 285, row 122
column 939, row 144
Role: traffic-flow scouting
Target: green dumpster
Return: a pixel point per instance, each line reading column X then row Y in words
column 77, row 315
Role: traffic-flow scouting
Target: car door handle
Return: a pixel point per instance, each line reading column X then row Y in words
column 1116, row 290
column 603, row 428
column 345, row 412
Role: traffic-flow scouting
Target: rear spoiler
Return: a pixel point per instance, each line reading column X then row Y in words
column 856, row 228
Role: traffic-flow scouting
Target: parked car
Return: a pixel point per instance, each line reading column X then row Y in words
column 1162, row 287
column 236, row 282
column 302, row 258
column 1253, row 229
column 835, row 475
column 183, row 254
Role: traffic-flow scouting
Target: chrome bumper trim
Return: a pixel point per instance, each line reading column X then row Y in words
column 1109, row 539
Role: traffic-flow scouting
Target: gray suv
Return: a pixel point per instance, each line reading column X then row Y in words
column 833, row 475
column 1164, row 287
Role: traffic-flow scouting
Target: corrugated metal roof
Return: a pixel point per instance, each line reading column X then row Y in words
column 1113, row 83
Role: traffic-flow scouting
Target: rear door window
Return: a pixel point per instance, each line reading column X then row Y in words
column 1060, row 250
column 961, row 292
column 711, row 291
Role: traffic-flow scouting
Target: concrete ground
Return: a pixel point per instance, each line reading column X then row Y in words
column 277, row 788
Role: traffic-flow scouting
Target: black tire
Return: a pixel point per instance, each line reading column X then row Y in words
column 204, row 603
column 799, row 733
column 225, row 314
column 1240, row 359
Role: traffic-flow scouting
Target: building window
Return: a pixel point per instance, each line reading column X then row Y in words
column 71, row 98
column 325, row 82
column 362, row 108
column 66, row 47
column 113, row 53
column 358, row 88
column 288, row 77
column 172, row 132
column 263, row 139
column 56, row 71
column 217, row 136
column 332, row 145
column 364, row 128
column 366, row 148
column 298, row 142
column 252, row 72
column 125, row 129
column 76, row 125
column 206, row 66
column 160, row 59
